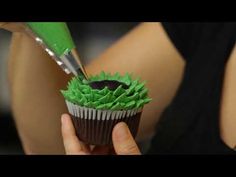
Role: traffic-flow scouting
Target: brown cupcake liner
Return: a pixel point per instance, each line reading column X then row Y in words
column 95, row 126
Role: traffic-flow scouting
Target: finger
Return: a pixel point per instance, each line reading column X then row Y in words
column 123, row 141
column 70, row 140
column 85, row 147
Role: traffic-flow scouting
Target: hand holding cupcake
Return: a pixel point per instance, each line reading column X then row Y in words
column 123, row 141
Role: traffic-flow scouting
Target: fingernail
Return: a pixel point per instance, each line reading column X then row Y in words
column 63, row 118
column 122, row 131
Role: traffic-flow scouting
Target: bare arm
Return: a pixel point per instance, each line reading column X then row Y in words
column 35, row 82
column 228, row 103
column 146, row 52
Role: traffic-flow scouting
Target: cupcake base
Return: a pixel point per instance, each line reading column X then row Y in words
column 95, row 126
column 99, row 132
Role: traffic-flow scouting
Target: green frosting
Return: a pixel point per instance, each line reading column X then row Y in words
column 79, row 92
column 55, row 35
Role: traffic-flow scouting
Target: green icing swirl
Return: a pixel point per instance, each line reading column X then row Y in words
column 80, row 93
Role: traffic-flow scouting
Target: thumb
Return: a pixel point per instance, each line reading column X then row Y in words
column 124, row 143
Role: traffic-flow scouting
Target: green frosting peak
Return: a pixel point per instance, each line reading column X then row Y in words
column 81, row 93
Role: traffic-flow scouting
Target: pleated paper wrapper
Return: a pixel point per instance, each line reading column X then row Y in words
column 95, row 126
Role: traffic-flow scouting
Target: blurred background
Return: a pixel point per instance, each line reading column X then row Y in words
column 91, row 39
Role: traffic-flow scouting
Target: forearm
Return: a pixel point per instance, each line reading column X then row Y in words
column 35, row 81
column 228, row 102
column 146, row 52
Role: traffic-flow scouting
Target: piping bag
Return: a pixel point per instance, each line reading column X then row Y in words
column 56, row 40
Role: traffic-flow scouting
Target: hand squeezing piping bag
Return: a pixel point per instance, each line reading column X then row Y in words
column 56, row 39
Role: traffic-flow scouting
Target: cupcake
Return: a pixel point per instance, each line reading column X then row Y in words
column 96, row 105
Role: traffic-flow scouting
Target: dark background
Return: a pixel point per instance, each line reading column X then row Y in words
column 91, row 39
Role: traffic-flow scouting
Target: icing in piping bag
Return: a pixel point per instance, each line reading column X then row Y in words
column 56, row 39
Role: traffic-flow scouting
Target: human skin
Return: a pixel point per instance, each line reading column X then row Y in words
column 35, row 79
column 123, row 142
column 146, row 51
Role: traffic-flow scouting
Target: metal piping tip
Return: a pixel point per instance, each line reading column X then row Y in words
column 69, row 62
column 79, row 72
column 78, row 60
column 73, row 63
